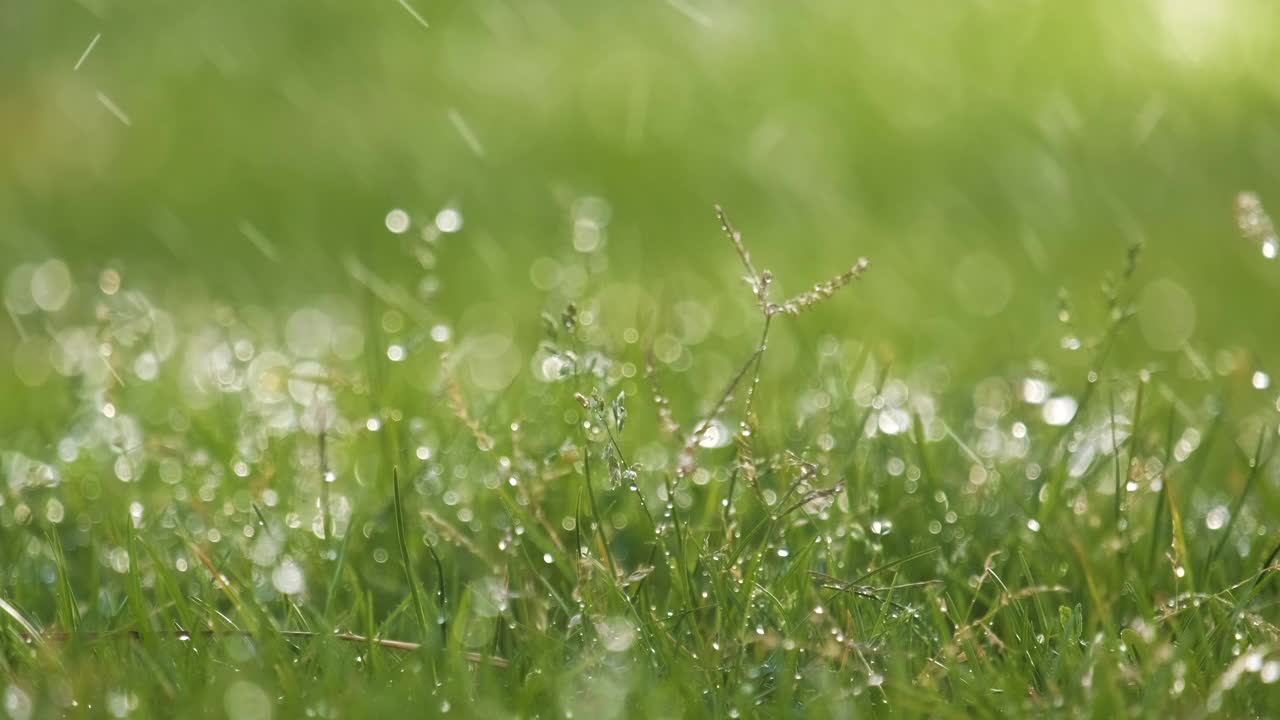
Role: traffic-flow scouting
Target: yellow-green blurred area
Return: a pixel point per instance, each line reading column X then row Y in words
column 981, row 154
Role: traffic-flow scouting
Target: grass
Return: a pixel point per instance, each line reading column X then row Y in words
column 601, row 548
column 353, row 367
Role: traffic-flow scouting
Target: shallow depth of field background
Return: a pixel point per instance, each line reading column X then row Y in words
column 254, row 255
column 982, row 154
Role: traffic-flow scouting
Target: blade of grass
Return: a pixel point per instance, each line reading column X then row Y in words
column 419, row 607
column 337, row 570
column 68, row 607
column 1255, row 469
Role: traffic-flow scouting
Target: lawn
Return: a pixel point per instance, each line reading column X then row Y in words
column 670, row 359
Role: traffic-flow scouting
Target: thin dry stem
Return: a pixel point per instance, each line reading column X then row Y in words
column 459, row 406
column 666, row 421
column 471, row 657
column 820, row 292
column 759, row 281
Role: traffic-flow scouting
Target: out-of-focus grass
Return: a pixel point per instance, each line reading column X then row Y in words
column 217, row 351
column 1042, row 137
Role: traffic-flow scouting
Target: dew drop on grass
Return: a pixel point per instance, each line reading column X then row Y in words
column 51, row 285
column 449, row 220
column 715, row 435
column 617, row 634
column 287, row 578
column 1252, row 661
column 123, row 469
column 1059, row 410
column 397, row 221
column 121, row 703
column 1216, row 518
column 109, row 282
column 1261, row 380
column 146, row 366
column 17, row 703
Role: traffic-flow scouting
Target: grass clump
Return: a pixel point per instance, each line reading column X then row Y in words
column 223, row 539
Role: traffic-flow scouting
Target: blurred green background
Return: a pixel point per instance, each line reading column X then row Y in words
column 982, row 154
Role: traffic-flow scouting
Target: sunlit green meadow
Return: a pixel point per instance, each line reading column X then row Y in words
column 369, row 358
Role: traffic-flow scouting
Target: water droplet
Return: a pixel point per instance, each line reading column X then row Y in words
column 17, row 703
column 617, row 634
column 714, row 435
column 288, row 578
column 398, row 221
column 51, row 285
column 1059, row 410
column 1216, row 518
column 449, row 220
